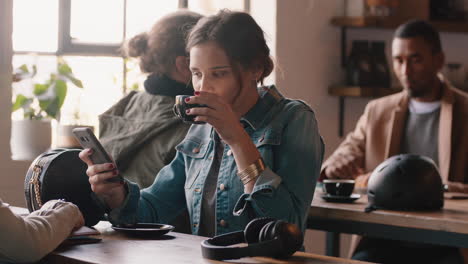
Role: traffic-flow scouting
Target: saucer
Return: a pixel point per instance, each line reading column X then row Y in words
column 341, row 199
column 146, row 229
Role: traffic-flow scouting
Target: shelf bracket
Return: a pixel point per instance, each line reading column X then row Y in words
column 342, row 98
column 341, row 116
column 343, row 47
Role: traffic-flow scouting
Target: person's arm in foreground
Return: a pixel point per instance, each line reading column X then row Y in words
column 28, row 239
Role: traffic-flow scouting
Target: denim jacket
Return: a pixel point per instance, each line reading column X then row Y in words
column 286, row 134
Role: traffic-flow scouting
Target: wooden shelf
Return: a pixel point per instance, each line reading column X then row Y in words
column 389, row 23
column 357, row 91
column 364, row 22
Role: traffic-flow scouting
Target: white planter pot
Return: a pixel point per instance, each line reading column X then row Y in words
column 64, row 137
column 29, row 138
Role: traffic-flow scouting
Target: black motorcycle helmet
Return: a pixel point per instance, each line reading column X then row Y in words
column 405, row 182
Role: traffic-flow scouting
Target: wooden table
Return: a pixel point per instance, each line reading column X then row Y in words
column 448, row 226
column 173, row 248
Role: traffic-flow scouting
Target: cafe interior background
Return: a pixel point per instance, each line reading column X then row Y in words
column 308, row 40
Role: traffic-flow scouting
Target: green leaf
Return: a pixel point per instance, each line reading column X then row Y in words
column 53, row 77
column 60, row 92
column 20, row 101
column 24, row 68
column 43, row 104
column 64, row 69
column 40, row 88
column 52, row 108
column 75, row 81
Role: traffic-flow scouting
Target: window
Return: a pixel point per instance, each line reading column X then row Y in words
column 208, row 7
column 87, row 34
column 35, row 25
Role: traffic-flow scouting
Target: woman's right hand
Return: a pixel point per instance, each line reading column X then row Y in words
column 113, row 193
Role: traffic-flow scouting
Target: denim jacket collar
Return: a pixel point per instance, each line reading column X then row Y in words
column 261, row 113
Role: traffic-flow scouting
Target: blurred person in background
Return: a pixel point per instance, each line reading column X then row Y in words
column 141, row 131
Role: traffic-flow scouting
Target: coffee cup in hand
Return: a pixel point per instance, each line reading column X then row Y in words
column 180, row 108
column 338, row 187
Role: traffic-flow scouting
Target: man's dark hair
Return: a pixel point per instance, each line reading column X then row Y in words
column 420, row 28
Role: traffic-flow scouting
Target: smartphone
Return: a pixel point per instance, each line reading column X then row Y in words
column 77, row 240
column 87, row 139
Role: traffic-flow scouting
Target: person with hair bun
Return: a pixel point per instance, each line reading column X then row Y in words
column 140, row 131
column 257, row 155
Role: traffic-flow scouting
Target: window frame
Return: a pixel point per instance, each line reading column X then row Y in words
column 69, row 46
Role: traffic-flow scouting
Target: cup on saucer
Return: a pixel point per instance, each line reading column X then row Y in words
column 338, row 187
column 339, row 191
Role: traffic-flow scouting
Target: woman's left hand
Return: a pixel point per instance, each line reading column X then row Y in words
column 219, row 114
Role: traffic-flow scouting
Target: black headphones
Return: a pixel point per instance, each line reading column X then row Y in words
column 266, row 237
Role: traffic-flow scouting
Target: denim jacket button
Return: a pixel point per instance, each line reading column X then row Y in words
column 222, row 187
column 196, row 150
column 223, row 223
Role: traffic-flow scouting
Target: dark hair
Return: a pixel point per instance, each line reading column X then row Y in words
column 159, row 47
column 238, row 35
column 420, row 28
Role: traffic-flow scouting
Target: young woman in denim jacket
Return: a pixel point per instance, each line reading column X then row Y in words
column 259, row 154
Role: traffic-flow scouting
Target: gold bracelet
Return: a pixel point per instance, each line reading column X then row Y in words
column 252, row 171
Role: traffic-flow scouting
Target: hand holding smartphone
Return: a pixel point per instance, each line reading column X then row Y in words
column 87, row 139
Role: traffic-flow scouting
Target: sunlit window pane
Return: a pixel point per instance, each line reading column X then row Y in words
column 135, row 78
column 102, row 82
column 141, row 14
column 210, row 7
column 35, row 25
column 97, row 21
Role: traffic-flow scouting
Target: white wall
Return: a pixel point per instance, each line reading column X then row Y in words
column 11, row 173
column 308, row 56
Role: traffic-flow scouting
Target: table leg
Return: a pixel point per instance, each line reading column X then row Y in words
column 332, row 247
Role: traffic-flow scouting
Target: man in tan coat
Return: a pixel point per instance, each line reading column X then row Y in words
column 429, row 117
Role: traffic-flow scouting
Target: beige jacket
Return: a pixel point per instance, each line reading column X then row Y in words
column 379, row 132
column 30, row 238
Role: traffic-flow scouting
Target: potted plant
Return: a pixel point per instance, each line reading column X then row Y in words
column 40, row 103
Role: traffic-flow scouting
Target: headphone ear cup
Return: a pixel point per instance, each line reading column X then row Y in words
column 290, row 236
column 253, row 228
column 267, row 232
